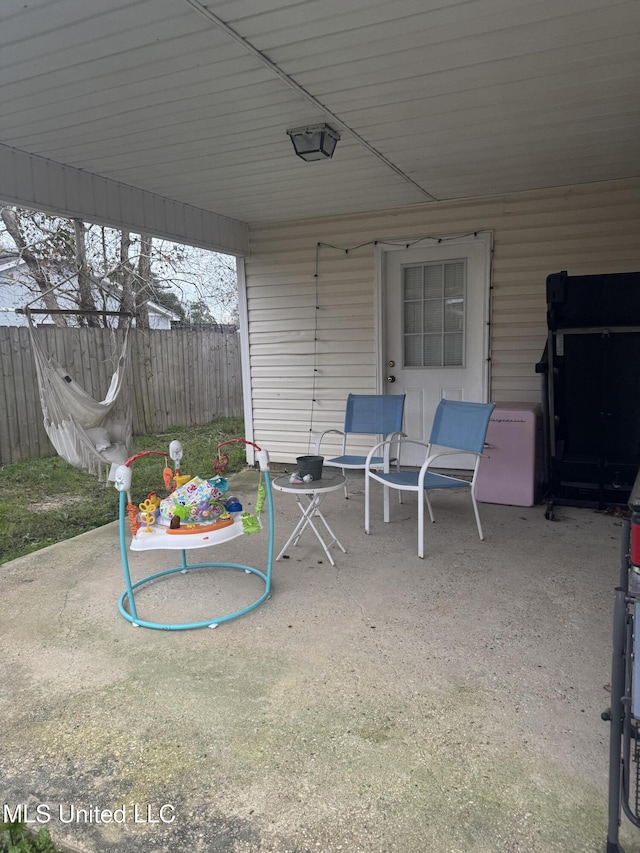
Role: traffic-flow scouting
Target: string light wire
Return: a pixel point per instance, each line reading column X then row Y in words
column 409, row 244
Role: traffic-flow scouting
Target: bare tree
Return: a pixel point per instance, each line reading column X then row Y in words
column 86, row 301
column 144, row 281
column 125, row 275
column 79, row 265
column 37, row 270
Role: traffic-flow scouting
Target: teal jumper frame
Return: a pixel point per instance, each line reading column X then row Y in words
column 127, row 603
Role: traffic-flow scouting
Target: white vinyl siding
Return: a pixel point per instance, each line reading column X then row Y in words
column 586, row 229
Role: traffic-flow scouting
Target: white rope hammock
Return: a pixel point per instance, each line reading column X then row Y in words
column 89, row 434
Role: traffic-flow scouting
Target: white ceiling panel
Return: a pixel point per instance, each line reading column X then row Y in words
column 434, row 99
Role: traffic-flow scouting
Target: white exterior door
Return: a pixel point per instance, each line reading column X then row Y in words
column 435, row 327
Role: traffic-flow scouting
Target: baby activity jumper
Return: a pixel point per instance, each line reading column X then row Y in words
column 195, row 513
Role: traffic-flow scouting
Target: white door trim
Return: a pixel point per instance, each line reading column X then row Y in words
column 483, row 237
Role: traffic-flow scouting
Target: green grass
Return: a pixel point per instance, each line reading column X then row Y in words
column 43, row 501
column 16, row 838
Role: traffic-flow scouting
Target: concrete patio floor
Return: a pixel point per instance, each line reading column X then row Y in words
column 388, row 704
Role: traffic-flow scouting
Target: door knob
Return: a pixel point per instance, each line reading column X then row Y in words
column 391, row 378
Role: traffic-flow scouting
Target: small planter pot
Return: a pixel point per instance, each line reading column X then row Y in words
column 311, row 465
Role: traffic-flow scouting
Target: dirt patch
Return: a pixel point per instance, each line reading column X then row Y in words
column 55, row 503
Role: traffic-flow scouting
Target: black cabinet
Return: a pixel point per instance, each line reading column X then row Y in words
column 592, row 387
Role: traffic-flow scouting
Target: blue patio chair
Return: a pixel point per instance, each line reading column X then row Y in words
column 457, row 428
column 366, row 414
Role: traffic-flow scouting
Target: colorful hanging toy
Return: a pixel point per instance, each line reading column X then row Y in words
column 220, row 463
column 260, row 496
column 250, row 523
column 192, row 502
column 133, row 513
column 148, row 509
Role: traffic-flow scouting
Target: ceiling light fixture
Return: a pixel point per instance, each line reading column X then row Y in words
column 314, row 142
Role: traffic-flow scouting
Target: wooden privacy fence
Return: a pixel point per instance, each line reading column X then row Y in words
column 177, row 377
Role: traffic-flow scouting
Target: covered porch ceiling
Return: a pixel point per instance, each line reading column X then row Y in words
column 170, row 116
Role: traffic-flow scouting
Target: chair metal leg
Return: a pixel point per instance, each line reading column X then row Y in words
column 477, row 514
column 421, row 524
column 397, row 472
column 366, row 503
column 430, row 508
column 386, row 503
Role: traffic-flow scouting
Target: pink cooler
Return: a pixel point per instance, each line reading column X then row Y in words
column 509, row 470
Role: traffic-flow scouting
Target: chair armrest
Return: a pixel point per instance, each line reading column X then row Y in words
column 375, row 450
column 393, row 437
column 430, row 459
column 399, row 438
column 321, row 435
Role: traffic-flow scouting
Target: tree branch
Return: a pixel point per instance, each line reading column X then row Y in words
column 37, row 273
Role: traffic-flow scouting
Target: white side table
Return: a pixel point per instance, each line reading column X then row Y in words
column 314, row 492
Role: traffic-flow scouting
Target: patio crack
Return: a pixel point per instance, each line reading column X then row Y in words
column 63, row 608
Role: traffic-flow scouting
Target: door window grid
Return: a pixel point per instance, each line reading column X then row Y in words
column 434, row 314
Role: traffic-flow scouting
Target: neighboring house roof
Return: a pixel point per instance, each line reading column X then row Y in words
column 15, row 293
column 160, row 309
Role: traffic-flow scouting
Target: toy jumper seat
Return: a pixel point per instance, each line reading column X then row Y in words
column 203, row 523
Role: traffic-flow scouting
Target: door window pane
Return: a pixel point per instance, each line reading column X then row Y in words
column 433, row 281
column 433, row 316
column 453, row 315
column 434, row 306
column 432, row 350
column 413, row 283
column 453, row 353
column 412, row 317
column 454, row 279
column 413, row 350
